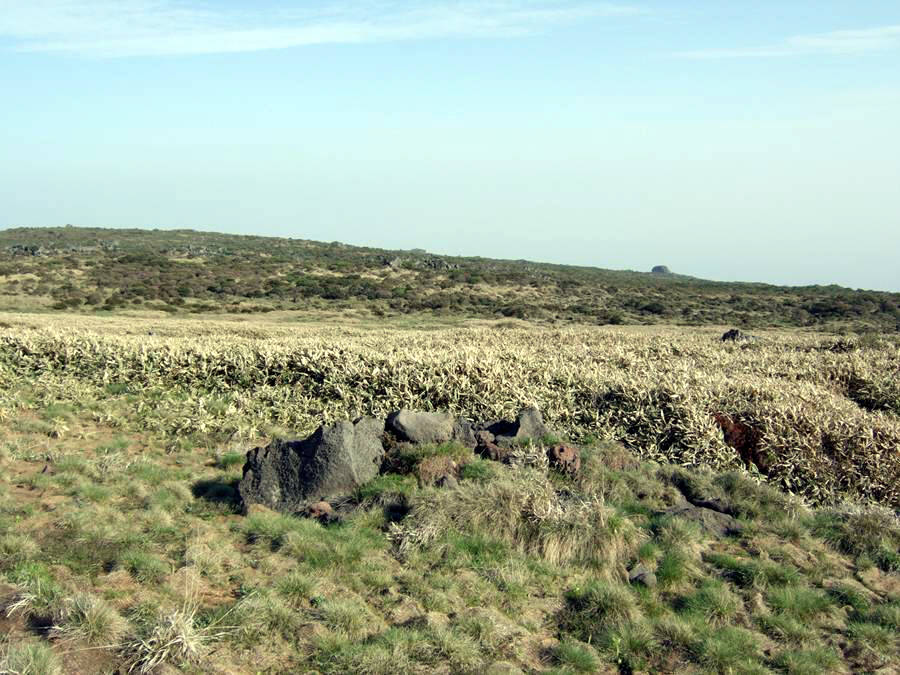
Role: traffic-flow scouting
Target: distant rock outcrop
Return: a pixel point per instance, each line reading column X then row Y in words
column 734, row 335
column 660, row 269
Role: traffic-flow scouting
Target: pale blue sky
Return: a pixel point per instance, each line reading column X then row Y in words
column 736, row 140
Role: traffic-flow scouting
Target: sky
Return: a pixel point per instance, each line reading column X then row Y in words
column 726, row 139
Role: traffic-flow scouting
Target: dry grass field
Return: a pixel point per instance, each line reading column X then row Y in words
column 122, row 439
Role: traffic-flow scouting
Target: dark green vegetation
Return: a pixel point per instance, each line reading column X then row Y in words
column 120, row 554
column 187, row 271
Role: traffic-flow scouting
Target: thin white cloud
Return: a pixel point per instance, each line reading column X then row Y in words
column 836, row 42
column 111, row 28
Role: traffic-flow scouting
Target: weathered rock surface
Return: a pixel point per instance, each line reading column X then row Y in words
column 409, row 426
column 287, row 475
column 713, row 522
column 660, row 269
column 464, row 433
column 421, row 427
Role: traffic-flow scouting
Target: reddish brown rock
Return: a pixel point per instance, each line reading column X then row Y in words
column 319, row 511
column 487, row 448
column 565, row 458
column 743, row 438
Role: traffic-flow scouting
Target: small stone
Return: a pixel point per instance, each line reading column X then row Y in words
column 641, row 574
column 319, row 510
column 446, row 481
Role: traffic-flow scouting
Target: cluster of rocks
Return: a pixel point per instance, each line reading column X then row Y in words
column 301, row 476
column 734, row 335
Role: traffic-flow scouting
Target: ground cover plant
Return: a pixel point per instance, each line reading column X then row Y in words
column 123, row 546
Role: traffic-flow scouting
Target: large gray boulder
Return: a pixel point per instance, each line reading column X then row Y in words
column 421, row 427
column 287, row 475
column 430, row 427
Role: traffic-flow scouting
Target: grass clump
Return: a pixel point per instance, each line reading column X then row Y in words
column 523, row 508
column 597, row 608
column 148, row 568
column 30, row 658
column 873, row 641
column 807, row 661
column 801, row 603
column 714, row 603
column 406, row 459
column 869, row 531
column 728, row 650
column 227, row 461
column 386, row 489
column 576, row 656
column 173, row 637
column 91, row 620
column 479, row 470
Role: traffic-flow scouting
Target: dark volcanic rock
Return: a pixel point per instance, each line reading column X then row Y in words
column 421, row 427
column 287, row 475
column 565, row 458
column 734, row 335
column 660, row 269
column 464, row 433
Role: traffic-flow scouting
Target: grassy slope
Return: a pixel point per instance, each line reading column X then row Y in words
column 122, row 545
column 120, row 553
column 187, row 271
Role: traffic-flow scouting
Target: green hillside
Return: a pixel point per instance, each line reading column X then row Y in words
column 87, row 269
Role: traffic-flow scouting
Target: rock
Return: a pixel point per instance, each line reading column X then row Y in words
column 713, row 522
column 464, row 434
column 448, row 480
column 322, row 512
column 743, row 438
column 286, row 475
column 660, row 269
column 488, row 449
column 641, row 574
column 405, row 611
column 528, row 424
column 565, row 458
column 483, row 437
column 734, row 335
column 421, row 427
